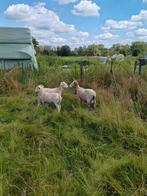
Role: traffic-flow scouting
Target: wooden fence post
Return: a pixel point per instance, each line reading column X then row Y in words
column 111, row 66
column 81, row 71
column 140, row 69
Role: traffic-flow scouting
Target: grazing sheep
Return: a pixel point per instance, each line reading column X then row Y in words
column 86, row 95
column 46, row 97
column 59, row 89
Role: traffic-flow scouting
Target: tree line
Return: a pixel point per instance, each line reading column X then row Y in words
column 138, row 48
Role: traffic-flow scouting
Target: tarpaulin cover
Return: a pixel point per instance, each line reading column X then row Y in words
column 16, row 46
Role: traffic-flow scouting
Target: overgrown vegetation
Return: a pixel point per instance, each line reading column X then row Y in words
column 79, row 151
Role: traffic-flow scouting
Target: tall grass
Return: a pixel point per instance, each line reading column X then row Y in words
column 79, row 151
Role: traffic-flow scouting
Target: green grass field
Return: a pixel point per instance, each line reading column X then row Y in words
column 80, row 151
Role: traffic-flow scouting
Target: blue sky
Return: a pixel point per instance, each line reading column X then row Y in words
column 78, row 22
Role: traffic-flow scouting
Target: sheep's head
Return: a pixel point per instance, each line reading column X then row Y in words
column 74, row 84
column 63, row 85
column 38, row 89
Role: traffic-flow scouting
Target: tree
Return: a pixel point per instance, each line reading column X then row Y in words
column 65, row 51
column 35, row 44
column 80, row 51
column 138, row 48
column 125, row 50
column 120, row 49
column 115, row 49
column 103, row 51
column 59, row 51
column 93, row 50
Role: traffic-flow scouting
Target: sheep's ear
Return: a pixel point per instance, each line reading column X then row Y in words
column 41, row 85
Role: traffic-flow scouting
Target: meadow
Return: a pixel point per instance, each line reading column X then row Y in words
column 80, row 151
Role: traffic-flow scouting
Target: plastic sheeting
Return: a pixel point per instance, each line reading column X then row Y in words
column 103, row 59
column 118, row 57
column 16, row 48
column 15, row 35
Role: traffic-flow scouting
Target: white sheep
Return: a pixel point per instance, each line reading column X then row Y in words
column 58, row 89
column 86, row 95
column 48, row 97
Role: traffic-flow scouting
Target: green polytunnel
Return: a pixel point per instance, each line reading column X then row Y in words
column 16, row 48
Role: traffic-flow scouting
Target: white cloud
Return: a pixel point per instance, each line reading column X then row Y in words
column 129, row 30
column 18, row 11
column 120, row 25
column 129, row 34
column 142, row 16
column 47, row 37
column 144, row 1
column 141, row 32
column 66, row 1
column 86, row 8
column 80, row 37
column 138, row 35
column 81, row 34
column 45, row 24
column 106, row 36
column 49, row 29
column 38, row 16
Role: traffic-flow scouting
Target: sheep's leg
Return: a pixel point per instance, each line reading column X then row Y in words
column 91, row 102
column 81, row 101
column 94, row 104
column 88, row 101
column 58, row 107
column 39, row 102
